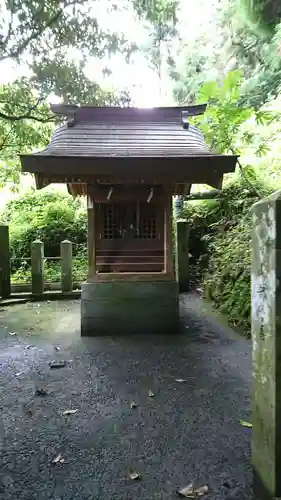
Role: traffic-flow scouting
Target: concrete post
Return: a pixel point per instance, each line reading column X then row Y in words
column 5, row 281
column 66, row 266
column 182, row 270
column 37, row 267
column 266, row 338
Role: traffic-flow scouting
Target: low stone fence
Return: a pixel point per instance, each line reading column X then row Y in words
column 37, row 285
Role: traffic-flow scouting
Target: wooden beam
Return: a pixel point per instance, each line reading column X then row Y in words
column 203, row 195
column 91, row 233
column 168, row 236
column 191, row 169
column 146, row 276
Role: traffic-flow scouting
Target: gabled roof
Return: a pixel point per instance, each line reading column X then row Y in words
column 130, row 143
column 110, row 132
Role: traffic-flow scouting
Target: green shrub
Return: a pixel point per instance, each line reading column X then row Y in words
column 52, row 271
column 51, row 216
column 227, row 279
column 220, row 245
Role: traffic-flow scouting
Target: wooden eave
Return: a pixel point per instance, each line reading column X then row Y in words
column 204, row 169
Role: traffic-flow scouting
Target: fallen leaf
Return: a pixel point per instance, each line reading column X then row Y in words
column 69, row 412
column 191, row 492
column 151, row 393
column 57, row 348
column 48, row 302
column 134, row 475
column 59, row 459
column 57, row 364
column 133, row 404
column 40, row 391
column 187, row 491
column 202, row 490
column 181, row 380
column 244, row 423
column 12, row 333
column 28, row 412
column 18, row 374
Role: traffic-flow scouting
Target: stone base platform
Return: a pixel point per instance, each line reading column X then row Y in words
column 129, row 307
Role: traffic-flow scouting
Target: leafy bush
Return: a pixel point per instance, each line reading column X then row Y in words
column 52, row 217
column 227, row 279
column 220, row 244
column 52, row 271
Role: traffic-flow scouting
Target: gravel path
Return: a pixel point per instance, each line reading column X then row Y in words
column 188, row 432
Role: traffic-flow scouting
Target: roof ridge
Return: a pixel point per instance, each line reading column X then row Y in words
column 88, row 113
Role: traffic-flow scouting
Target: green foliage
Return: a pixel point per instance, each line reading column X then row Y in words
column 227, row 280
column 52, row 271
column 48, row 215
column 158, row 10
column 220, row 236
column 231, row 43
column 33, row 26
column 262, row 15
column 40, row 38
column 223, row 121
column 25, row 123
column 161, row 16
column 220, row 244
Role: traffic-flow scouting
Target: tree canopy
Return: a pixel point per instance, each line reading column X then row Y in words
column 52, row 40
column 51, row 43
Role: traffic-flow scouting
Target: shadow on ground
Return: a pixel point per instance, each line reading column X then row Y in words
column 188, row 432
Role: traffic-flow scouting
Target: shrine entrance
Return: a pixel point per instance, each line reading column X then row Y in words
column 130, row 234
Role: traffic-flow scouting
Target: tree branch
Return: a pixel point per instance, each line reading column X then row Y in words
column 4, row 142
column 26, row 117
column 4, row 42
column 33, row 36
column 28, row 114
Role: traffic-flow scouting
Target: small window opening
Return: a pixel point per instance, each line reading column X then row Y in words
column 137, row 220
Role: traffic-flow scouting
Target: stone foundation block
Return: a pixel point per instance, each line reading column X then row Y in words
column 127, row 308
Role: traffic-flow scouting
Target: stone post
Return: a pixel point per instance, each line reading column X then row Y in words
column 66, row 266
column 182, row 270
column 5, row 281
column 37, row 267
column 266, row 338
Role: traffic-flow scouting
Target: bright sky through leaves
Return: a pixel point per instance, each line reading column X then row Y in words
column 141, row 80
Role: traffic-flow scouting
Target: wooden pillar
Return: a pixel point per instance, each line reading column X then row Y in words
column 168, row 236
column 182, row 268
column 5, row 282
column 66, row 266
column 266, row 339
column 37, row 267
column 91, row 233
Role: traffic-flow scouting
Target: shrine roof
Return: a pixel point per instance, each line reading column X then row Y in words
column 109, row 132
column 117, row 135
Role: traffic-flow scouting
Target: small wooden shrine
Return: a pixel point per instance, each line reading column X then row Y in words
column 129, row 162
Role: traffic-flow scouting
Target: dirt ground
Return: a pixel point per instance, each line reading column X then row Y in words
column 188, row 431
